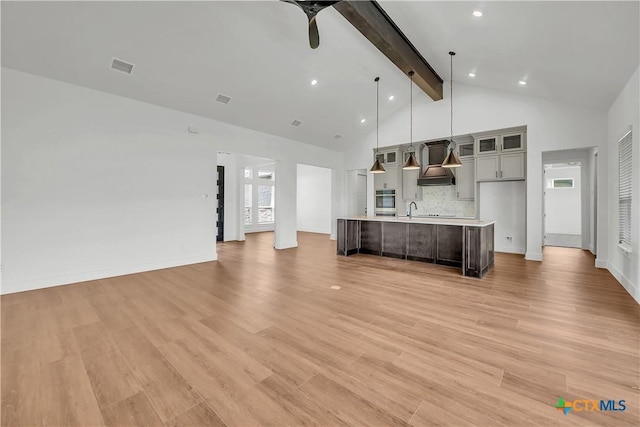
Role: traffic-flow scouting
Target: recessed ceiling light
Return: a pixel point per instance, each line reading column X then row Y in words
column 477, row 13
column 336, row 287
column 391, row 98
column 363, row 120
column 472, row 74
column 314, row 82
column 522, row 83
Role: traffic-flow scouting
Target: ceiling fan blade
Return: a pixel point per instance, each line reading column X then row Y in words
column 311, row 9
column 314, row 36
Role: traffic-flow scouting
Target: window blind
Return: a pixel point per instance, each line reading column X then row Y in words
column 625, row 189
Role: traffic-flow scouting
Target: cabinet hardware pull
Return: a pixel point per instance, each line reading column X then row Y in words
column 500, row 174
column 496, row 174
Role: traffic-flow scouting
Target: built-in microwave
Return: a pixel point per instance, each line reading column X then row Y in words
column 386, row 202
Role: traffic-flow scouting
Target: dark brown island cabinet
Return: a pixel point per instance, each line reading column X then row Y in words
column 462, row 243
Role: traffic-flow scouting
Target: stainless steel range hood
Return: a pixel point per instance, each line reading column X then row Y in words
column 435, row 174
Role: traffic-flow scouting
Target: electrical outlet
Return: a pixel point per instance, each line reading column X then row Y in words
column 509, row 239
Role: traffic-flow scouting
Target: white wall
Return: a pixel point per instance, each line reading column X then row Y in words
column 550, row 126
column 314, row 199
column 623, row 115
column 563, row 205
column 96, row 185
column 504, row 202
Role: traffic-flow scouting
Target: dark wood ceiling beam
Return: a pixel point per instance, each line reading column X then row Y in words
column 373, row 22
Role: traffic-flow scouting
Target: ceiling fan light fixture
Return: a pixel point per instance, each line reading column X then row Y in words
column 452, row 160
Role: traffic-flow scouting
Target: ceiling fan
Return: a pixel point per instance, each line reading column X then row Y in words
column 311, row 8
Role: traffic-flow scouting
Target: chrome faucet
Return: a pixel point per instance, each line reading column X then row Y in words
column 410, row 204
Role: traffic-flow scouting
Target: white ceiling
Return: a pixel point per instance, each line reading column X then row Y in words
column 186, row 53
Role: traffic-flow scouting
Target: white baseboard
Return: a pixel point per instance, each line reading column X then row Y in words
column 103, row 273
column 318, row 230
column 601, row 263
column 509, row 250
column 286, row 244
column 533, row 256
column 625, row 282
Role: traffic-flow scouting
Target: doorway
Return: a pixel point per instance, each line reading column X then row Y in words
column 563, row 204
column 220, row 204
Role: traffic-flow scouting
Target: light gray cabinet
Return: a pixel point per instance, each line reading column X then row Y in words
column 387, row 180
column 512, row 166
column 410, row 189
column 466, row 180
column 505, row 167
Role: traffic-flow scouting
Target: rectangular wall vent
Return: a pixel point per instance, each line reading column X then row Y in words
column 296, row 123
column 224, row 99
column 121, row 66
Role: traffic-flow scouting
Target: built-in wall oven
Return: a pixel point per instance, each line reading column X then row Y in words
column 386, row 203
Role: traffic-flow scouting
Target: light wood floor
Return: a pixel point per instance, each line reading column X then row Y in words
column 260, row 338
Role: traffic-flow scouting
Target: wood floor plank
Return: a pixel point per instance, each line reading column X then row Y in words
column 260, row 338
column 199, row 415
column 135, row 410
column 109, row 375
column 66, row 395
column 167, row 390
column 347, row 406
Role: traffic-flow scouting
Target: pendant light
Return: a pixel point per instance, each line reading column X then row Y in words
column 451, row 161
column 377, row 166
column 411, row 162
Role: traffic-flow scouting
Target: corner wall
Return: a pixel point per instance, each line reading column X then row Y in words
column 96, row 185
column 624, row 115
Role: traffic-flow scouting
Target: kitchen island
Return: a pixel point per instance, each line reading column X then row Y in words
column 463, row 243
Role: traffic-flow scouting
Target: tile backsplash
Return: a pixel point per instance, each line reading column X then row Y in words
column 441, row 199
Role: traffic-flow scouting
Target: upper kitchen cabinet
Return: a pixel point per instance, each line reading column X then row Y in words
column 392, row 178
column 512, row 142
column 466, row 179
column 500, row 156
column 387, row 180
column 487, row 145
column 410, row 189
column 465, row 149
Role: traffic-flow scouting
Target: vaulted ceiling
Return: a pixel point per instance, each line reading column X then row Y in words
column 257, row 53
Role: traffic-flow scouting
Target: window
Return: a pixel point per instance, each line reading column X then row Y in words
column 259, row 197
column 265, row 175
column 560, row 183
column 624, row 192
column 248, row 197
column 265, row 203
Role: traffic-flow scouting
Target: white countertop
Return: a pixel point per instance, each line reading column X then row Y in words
column 430, row 220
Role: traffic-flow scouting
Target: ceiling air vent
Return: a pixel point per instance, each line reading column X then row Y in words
column 223, row 99
column 296, row 123
column 121, row 66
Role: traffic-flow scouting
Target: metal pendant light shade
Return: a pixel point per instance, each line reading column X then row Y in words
column 411, row 162
column 452, row 160
column 377, row 166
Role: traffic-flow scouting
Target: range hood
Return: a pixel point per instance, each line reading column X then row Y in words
column 435, row 174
